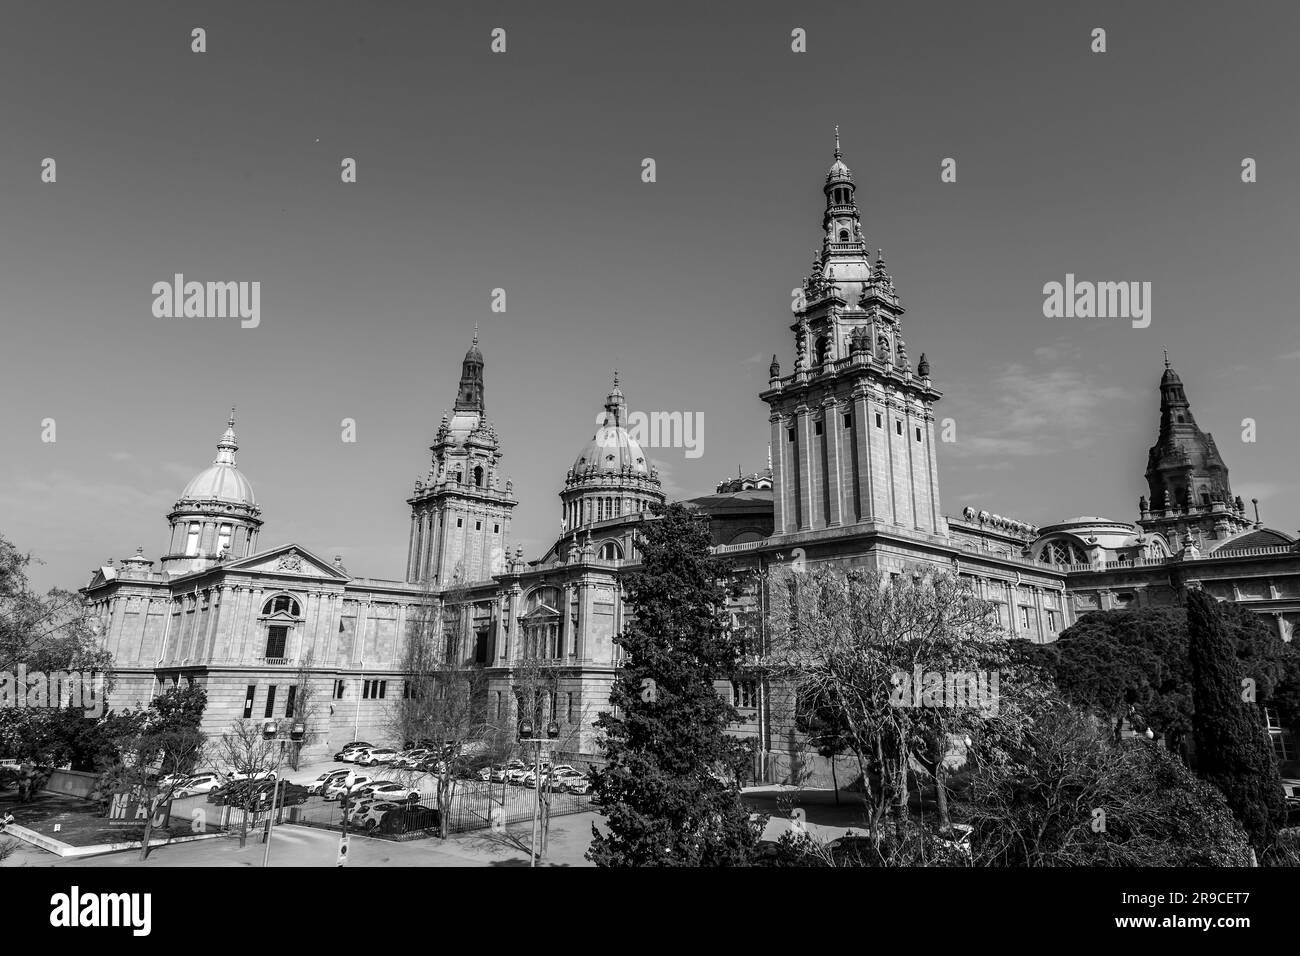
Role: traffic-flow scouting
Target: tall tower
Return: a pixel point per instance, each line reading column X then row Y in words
column 1187, row 477
column 460, row 511
column 853, row 425
column 611, row 477
column 216, row 517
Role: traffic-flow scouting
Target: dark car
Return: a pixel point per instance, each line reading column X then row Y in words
column 410, row 819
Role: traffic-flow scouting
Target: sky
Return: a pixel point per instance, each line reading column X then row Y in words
column 522, row 171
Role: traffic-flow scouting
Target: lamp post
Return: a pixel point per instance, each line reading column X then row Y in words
column 271, row 730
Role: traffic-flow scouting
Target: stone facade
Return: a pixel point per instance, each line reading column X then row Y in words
column 852, row 480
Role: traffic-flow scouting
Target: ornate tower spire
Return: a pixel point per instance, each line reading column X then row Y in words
column 469, row 398
column 1186, row 475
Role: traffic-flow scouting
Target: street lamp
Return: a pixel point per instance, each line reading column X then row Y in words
column 271, row 730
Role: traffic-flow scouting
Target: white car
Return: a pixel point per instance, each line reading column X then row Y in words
column 369, row 815
column 529, row 779
column 388, row 790
column 324, row 780
column 516, row 774
column 232, row 776
column 407, row 760
column 337, row 788
column 350, row 754
column 201, row 783
column 570, row 780
column 377, row 755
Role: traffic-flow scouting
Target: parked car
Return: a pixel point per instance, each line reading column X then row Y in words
column 411, row 759
column 529, row 779
column 337, row 788
column 409, row 818
column 569, row 780
column 388, row 790
column 432, row 764
column 377, row 755
column 352, row 745
column 500, row 773
column 350, row 754
column 372, row 813
column 256, row 775
column 329, row 776
column 516, row 774
column 199, row 783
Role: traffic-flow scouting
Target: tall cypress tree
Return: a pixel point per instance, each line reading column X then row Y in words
column 662, row 802
column 1232, row 747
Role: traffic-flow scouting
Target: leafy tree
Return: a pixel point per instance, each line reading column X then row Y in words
column 1232, row 746
column 1135, row 665
column 48, row 632
column 1065, row 793
column 663, row 801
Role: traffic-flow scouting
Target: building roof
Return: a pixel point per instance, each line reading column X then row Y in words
column 222, row 480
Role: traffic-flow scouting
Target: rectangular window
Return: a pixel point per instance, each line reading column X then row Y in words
column 365, row 690
column 898, row 426
column 569, row 708
column 270, row 700
column 744, row 693
column 498, row 705
column 817, row 428
column 381, row 690
column 460, row 522
column 918, row 434
column 478, row 525
column 290, row 700
column 848, row 421
column 789, row 434
column 248, row 700
column 879, row 422
column 481, row 647
column 223, row 538
column 1051, row 621
column 496, row 529
column 339, row 687
column 1024, row 618
column 277, row 637
column 192, row 541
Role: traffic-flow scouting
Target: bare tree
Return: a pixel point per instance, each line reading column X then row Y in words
column 243, row 755
column 305, row 706
column 884, row 665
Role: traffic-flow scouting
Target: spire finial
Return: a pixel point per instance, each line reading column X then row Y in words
column 231, row 421
column 476, row 333
column 616, row 378
column 1166, row 358
column 837, row 142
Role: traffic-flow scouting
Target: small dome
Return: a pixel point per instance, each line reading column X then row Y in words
column 222, row 480
column 839, row 171
column 613, row 448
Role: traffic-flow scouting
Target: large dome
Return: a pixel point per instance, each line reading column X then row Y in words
column 613, row 448
column 222, row 480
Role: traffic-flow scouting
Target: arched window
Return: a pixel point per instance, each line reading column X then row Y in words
column 609, row 551
column 478, row 476
column 282, row 604
column 192, row 540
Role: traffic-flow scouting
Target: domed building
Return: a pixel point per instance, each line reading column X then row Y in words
column 216, row 517
column 611, row 477
column 852, row 481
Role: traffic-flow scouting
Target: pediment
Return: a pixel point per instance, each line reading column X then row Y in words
column 288, row 559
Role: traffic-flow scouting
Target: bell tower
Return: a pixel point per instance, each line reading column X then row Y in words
column 853, row 425
column 460, row 511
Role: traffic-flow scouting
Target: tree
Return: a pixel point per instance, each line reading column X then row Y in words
column 156, row 754
column 1134, row 665
column 895, row 670
column 244, row 755
column 47, row 632
column 1063, row 792
column 305, row 706
column 1232, row 746
column 444, row 703
column 663, row 803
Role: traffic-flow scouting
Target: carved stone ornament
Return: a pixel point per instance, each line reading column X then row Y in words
column 290, row 561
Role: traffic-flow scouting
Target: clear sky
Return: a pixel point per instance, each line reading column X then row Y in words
column 522, row 171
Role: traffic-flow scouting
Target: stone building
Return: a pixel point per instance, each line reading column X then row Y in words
column 852, row 479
